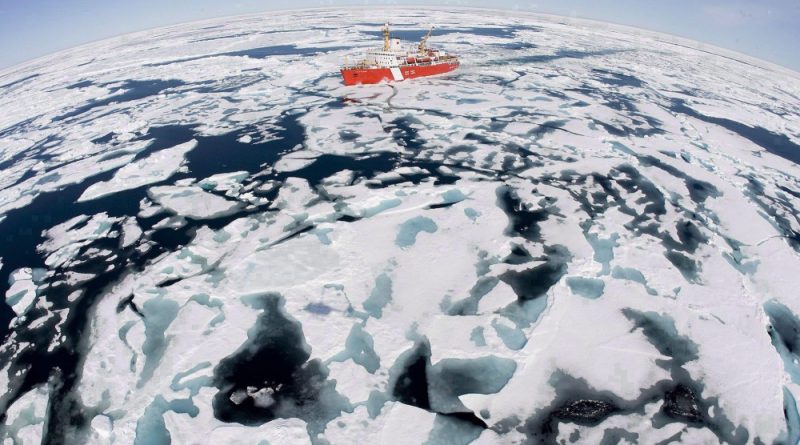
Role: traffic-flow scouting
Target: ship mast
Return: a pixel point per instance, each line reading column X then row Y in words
column 421, row 47
column 386, row 37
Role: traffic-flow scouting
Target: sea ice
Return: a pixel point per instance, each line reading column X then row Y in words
column 192, row 202
column 154, row 168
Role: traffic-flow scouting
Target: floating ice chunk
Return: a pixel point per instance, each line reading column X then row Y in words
column 154, row 168
column 59, row 235
column 410, row 171
column 342, row 177
column 224, row 181
column 239, row 396
column 261, row 397
column 130, row 232
column 407, row 235
column 386, row 178
column 22, row 291
column 185, row 182
column 74, row 172
column 295, row 194
column 66, row 240
column 295, row 161
column 147, row 209
column 173, row 222
column 192, row 202
column 445, row 170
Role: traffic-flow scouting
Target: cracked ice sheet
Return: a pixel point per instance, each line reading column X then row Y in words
column 192, row 202
column 245, row 274
column 64, row 241
column 436, row 264
column 316, row 267
column 185, row 40
column 20, row 195
column 25, row 419
column 154, row 168
column 22, row 291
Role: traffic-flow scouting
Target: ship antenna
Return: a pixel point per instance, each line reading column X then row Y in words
column 421, row 47
column 386, row 37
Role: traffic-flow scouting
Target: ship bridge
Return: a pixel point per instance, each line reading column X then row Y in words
column 391, row 55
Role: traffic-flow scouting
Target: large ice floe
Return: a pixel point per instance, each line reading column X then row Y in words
column 586, row 234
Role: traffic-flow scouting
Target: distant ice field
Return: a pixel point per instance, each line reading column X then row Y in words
column 585, row 234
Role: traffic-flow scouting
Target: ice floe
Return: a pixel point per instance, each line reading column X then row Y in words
column 154, row 168
column 590, row 235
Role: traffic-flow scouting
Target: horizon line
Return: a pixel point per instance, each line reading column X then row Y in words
column 10, row 69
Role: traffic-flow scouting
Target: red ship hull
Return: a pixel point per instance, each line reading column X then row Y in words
column 355, row 76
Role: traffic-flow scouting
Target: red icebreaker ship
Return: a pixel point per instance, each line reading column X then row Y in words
column 393, row 62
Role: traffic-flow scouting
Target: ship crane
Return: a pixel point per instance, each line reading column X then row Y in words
column 421, row 47
column 386, row 37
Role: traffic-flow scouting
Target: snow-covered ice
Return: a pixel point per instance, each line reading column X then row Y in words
column 586, row 234
column 154, row 168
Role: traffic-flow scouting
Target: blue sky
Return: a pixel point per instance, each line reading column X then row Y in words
column 768, row 29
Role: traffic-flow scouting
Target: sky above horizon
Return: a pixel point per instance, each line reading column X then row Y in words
column 767, row 29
